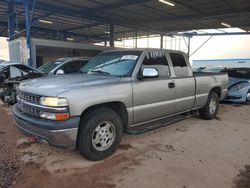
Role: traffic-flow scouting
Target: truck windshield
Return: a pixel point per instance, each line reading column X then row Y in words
column 46, row 68
column 115, row 63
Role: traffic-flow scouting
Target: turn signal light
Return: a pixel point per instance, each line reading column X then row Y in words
column 54, row 116
column 62, row 116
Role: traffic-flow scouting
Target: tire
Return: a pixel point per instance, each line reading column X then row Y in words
column 100, row 134
column 210, row 110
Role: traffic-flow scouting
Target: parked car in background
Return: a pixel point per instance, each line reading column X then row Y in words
column 11, row 75
column 122, row 90
column 215, row 69
column 198, row 69
column 65, row 65
column 239, row 85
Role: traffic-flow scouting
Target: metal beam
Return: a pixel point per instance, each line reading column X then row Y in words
column 123, row 3
column 200, row 16
column 28, row 26
column 232, row 8
column 161, row 42
column 189, row 46
column 136, row 37
column 84, row 27
column 11, row 19
column 186, row 6
column 216, row 34
column 199, row 46
column 88, row 14
column 112, row 43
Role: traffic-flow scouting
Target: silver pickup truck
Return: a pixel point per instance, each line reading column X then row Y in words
column 117, row 91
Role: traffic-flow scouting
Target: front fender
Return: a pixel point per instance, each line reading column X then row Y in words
column 83, row 98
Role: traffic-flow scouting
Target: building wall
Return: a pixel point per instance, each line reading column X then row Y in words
column 240, row 62
column 48, row 54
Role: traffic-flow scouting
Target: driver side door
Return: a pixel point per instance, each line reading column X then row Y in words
column 154, row 97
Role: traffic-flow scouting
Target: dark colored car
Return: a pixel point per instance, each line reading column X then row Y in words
column 11, row 75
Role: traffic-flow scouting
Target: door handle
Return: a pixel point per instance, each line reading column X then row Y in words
column 171, row 85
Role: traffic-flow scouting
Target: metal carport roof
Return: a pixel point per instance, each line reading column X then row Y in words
column 90, row 20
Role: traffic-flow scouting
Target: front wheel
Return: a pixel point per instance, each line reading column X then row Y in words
column 209, row 111
column 100, row 134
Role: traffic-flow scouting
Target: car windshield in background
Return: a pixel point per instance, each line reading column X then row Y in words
column 46, row 68
column 239, row 73
column 213, row 69
column 117, row 63
column 23, row 68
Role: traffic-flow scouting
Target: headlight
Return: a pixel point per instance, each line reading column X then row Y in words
column 53, row 101
column 239, row 87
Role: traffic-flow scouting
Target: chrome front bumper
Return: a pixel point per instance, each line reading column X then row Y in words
column 54, row 132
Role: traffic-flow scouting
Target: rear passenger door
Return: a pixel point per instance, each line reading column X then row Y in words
column 184, row 83
column 153, row 98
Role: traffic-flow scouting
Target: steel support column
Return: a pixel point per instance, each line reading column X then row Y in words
column 11, row 19
column 161, row 43
column 111, row 43
column 136, row 36
column 28, row 20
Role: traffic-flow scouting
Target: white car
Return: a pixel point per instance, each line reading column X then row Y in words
column 65, row 65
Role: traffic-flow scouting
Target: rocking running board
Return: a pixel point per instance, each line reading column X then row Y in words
column 157, row 124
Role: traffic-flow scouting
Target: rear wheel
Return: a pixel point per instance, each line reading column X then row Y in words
column 100, row 134
column 209, row 111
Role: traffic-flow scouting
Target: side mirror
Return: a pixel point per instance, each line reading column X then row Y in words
column 60, row 72
column 149, row 73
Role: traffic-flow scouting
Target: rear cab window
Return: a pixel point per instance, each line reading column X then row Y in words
column 179, row 65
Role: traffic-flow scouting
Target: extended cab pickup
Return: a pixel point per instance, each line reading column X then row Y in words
column 116, row 91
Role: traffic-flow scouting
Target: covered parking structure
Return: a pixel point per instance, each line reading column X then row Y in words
column 96, row 21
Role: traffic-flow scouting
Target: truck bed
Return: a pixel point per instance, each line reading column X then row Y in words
column 199, row 74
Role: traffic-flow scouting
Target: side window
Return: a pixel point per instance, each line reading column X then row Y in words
column 179, row 64
column 158, row 62
column 72, row 67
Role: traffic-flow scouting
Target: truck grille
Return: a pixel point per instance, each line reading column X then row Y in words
column 23, row 99
column 27, row 109
column 28, row 97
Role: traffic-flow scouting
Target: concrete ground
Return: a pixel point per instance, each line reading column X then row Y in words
column 189, row 154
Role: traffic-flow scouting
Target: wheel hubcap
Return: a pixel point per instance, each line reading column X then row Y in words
column 103, row 136
column 212, row 106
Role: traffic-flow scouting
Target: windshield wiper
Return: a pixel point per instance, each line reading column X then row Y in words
column 101, row 72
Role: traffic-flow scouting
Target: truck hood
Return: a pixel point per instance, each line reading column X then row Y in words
column 54, row 85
